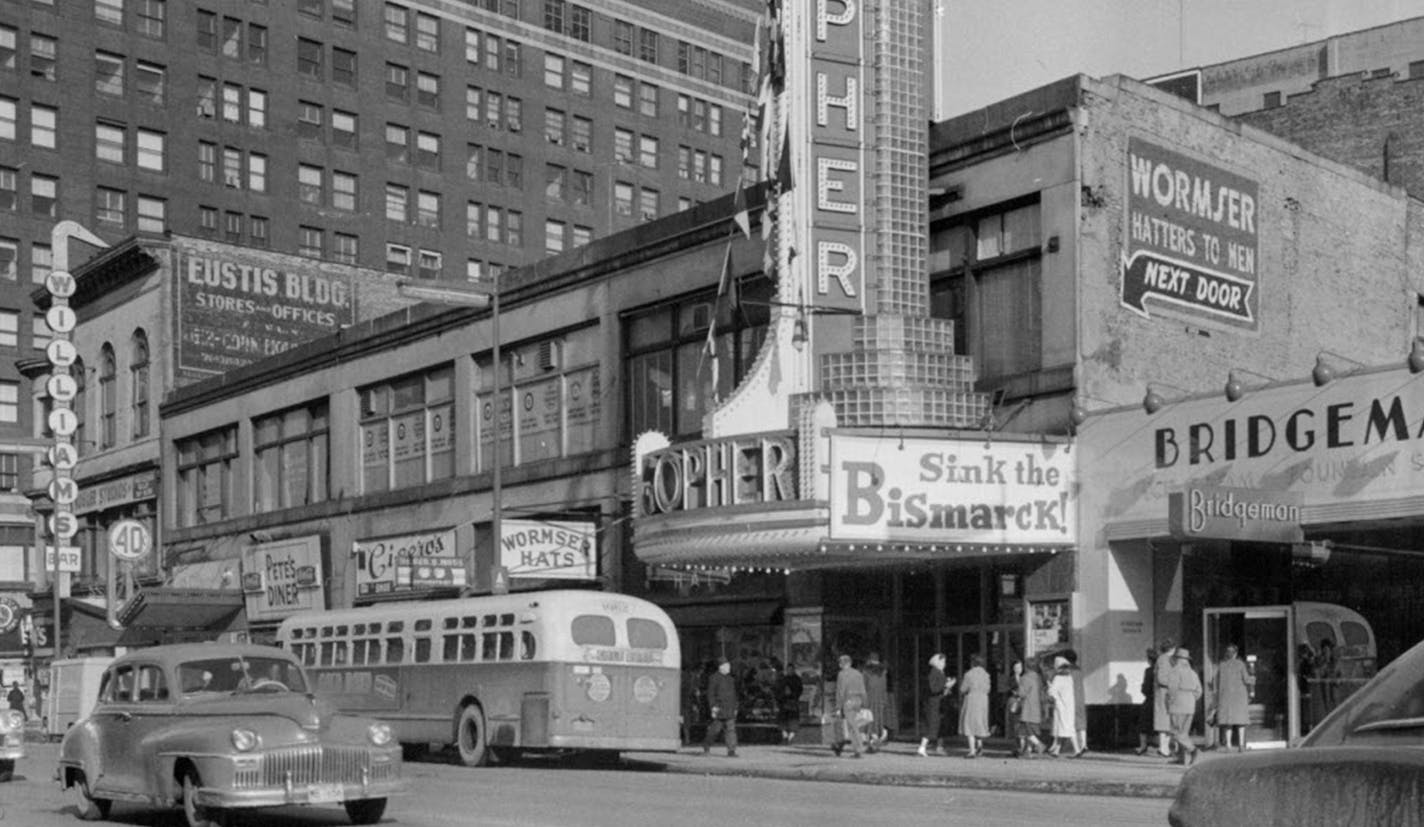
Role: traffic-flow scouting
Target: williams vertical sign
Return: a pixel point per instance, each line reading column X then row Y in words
column 1193, row 243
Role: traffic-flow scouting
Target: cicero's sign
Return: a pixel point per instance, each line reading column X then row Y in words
column 712, row 473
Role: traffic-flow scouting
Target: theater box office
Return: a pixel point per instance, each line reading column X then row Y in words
column 1288, row 522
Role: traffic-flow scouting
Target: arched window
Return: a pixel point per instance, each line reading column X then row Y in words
column 108, row 397
column 77, row 371
column 138, row 373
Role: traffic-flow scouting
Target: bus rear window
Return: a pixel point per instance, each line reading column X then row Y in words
column 646, row 634
column 594, row 630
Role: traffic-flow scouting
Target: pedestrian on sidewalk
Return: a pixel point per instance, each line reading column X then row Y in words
column 939, row 687
column 1029, row 693
column 850, row 700
column 1012, row 704
column 1161, row 720
column 1080, row 704
column 974, row 709
column 877, row 700
column 1184, row 689
column 722, row 698
column 788, row 699
column 16, row 698
column 1233, row 697
column 1060, row 695
column 1145, row 730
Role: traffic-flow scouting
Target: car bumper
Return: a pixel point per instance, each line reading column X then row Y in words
column 11, row 753
column 298, row 794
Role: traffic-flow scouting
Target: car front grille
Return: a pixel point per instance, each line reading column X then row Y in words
column 314, row 765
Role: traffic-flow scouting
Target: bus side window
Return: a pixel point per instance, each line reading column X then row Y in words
column 468, row 650
column 395, row 650
column 422, row 640
column 506, row 645
column 327, row 647
column 452, row 649
column 490, row 649
column 358, row 650
column 341, row 654
column 526, row 645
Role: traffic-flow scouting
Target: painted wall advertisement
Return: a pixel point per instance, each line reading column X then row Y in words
column 952, row 491
column 553, row 549
column 283, row 577
column 232, row 311
column 1192, row 241
column 404, row 561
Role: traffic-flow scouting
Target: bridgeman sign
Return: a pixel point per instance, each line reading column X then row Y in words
column 1192, row 240
column 1215, row 512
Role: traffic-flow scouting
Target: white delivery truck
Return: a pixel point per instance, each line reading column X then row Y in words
column 73, row 690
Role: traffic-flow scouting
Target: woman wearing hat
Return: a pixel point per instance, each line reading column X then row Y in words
column 1233, row 698
column 1064, row 700
column 1184, row 689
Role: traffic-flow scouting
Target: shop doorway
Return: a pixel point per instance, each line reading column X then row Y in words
column 1265, row 637
column 999, row 644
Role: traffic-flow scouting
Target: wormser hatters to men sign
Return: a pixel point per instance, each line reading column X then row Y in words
column 952, row 491
column 1191, row 240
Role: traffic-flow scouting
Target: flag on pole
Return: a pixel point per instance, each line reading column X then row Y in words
column 726, row 287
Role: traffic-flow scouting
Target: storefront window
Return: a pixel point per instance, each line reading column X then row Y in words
column 205, row 466
column 292, row 458
column 405, row 430
column 669, row 370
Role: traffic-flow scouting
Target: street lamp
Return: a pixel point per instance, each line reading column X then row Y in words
column 437, row 293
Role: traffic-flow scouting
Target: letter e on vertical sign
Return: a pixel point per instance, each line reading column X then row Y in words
column 129, row 540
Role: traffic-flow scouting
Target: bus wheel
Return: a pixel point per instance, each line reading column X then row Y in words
column 470, row 737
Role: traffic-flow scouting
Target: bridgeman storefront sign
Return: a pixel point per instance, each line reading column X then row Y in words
column 1192, row 242
column 952, row 491
column 1215, row 512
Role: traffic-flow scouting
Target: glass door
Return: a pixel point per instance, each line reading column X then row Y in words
column 1265, row 639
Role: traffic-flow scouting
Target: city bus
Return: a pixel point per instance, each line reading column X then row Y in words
column 502, row 674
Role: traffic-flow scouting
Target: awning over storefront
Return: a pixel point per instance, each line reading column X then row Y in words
column 179, row 610
column 725, row 613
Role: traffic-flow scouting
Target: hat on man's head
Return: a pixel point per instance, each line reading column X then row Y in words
column 1182, row 653
column 1060, row 662
column 722, row 660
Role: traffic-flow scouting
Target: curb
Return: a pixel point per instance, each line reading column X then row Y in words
column 1124, row 789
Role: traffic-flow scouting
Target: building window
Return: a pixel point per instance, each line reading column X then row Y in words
column 427, row 209
column 429, row 264
column 343, row 129
column 667, row 369
column 205, row 477
column 344, row 12
column 397, row 23
column 648, row 204
column 256, row 44
column 108, row 397
column 343, row 191
column 427, row 32
column 344, row 248
column 581, row 188
column 151, row 148
column 397, row 82
column 554, row 236
column 150, row 17
column 648, row 99
column 7, row 118
column 714, row 170
column 343, row 67
column 110, row 12
column 406, row 434
column 309, row 58
column 208, row 219
column 109, row 143
column 138, row 384
column 987, row 280
column 648, row 46
column 44, row 195
column 10, row 481
column 231, row 42
column 41, row 262
column 9, row 328
column 310, row 242
column 149, row 81
column 291, row 458
column 623, row 146
column 397, row 259
column 582, row 235
column 43, row 51
column 513, row 114
column 581, row 134
column 109, row 74
column 623, row 91
column 109, row 206
column 513, row 59
column 44, row 126
column 257, row 229
column 427, row 150
column 554, row 15
column 473, row 39
column 40, row 332
column 623, row 37
column 9, row 47
column 9, row 259
column 309, row 120
column 623, row 198
column 581, row 78
column 309, row 184
column 1272, row 100
column 553, row 71
column 648, row 151
column 207, row 161
column 232, row 226
column 9, row 401
column 152, row 215
column 580, row 23
column 397, row 143
column 256, row 172
column 397, row 202
column 554, row 127
column 427, row 90
column 549, row 408
column 555, row 181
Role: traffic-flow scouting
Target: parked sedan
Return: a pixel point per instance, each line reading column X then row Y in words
column 1363, row 764
column 219, row 727
column 12, row 741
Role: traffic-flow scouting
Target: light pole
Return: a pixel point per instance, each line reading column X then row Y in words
column 455, row 295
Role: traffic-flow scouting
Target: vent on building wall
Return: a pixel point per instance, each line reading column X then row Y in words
column 548, row 355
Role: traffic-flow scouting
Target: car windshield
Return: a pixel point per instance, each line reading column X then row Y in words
column 241, row 674
column 1393, row 702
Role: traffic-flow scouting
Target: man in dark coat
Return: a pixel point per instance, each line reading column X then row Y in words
column 722, row 701
column 850, row 697
column 876, row 700
column 16, row 698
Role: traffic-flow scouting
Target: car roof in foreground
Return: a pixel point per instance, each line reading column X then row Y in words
column 181, row 652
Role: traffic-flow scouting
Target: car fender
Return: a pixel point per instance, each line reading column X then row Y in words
column 79, row 750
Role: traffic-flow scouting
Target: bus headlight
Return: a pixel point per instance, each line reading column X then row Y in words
column 645, row 689
column 380, row 734
column 245, row 740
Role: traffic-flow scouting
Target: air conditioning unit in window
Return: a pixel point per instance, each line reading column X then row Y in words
column 233, row 180
column 548, row 355
column 206, row 109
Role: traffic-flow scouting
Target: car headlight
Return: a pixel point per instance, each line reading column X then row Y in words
column 245, row 740
column 380, row 734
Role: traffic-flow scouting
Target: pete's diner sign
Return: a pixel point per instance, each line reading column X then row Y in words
column 712, row 473
column 1217, row 512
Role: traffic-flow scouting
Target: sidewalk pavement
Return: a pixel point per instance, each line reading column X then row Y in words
column 896, row 764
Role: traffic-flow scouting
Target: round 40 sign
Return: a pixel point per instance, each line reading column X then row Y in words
column 129, row 540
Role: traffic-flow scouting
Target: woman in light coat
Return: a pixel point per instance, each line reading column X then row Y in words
column 1233, row 697
column 974, row 713
column 1029, row 693
column 1064, row 700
